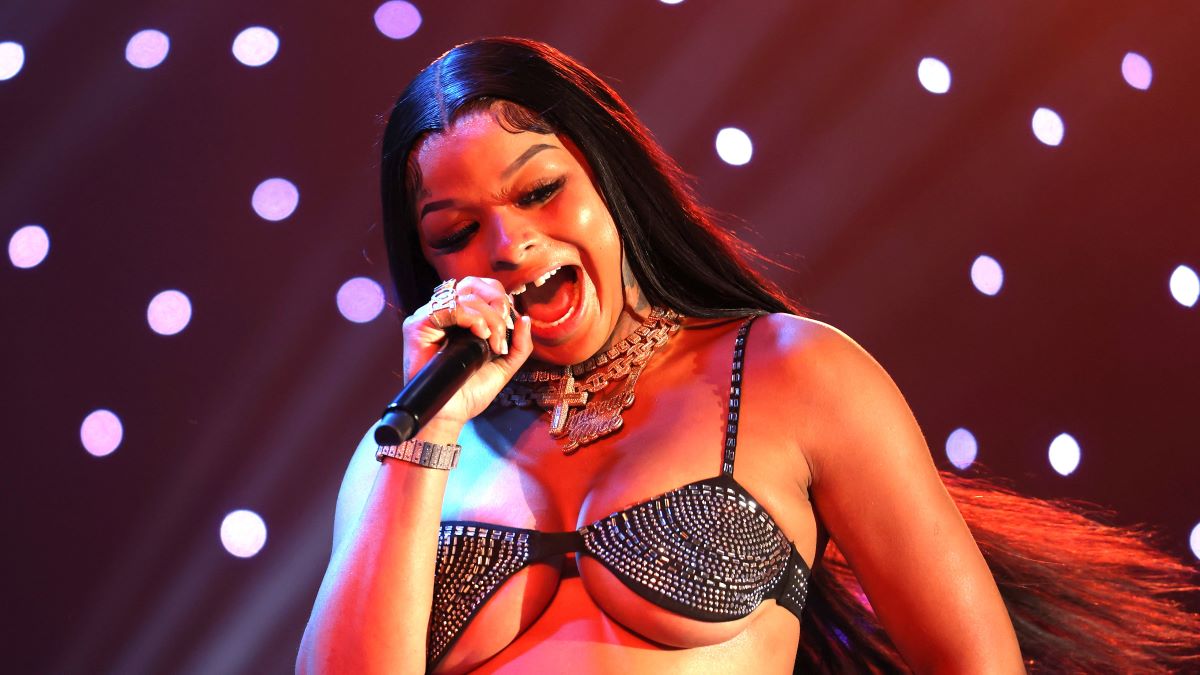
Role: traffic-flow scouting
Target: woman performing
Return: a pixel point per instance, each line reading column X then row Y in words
column 651, row 467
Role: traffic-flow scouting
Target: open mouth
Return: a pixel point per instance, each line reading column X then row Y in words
column 554, row 301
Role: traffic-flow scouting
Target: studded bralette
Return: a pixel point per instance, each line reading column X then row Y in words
column 706, row 550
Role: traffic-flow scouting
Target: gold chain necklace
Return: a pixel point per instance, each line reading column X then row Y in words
column 576, row 414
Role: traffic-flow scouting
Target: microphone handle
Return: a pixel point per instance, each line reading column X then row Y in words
column 461, row 355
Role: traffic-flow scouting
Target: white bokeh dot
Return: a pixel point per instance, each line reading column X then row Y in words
column 961, row 448
column 1064, row 454
column 243, row 533
column 1194, row 540
column 101, row 432
column 169, row 312
column 28, row 246
column 1185, row 286
column 255, row 46
column 397, row 19
column 147, row 48
column 670, row 2
column 734, row 146
column 1047, row 126
column 1137, row 71
column 275, row 199
column 933, row 75
column 987, row 275
column 12, row 59
column 360, row 299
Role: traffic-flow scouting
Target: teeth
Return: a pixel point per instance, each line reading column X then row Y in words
column 542, row 279
column 518, row 290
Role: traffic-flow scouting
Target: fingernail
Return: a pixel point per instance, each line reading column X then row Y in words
column 508, row 321
column 504, row 348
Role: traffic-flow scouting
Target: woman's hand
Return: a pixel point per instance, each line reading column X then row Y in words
column 482, row 307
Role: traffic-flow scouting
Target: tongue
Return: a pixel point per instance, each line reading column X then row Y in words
column 550, row 301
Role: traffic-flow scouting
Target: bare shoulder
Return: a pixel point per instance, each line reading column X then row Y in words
column 848, row 400
column 812, row 350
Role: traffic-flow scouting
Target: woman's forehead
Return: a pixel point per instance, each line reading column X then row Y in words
column 477, row 145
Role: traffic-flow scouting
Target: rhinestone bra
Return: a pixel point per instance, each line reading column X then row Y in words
column 706, row 550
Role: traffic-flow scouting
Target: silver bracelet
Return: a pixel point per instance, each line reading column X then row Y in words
column 432, row 455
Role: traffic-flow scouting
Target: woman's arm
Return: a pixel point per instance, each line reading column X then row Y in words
column 373, row 607
column 878, row 493
column 372, row 610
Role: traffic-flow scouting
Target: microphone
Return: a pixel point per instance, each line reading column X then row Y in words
column 461, row 355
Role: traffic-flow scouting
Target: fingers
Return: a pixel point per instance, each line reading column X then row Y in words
column 486, row 308
column 485, row 320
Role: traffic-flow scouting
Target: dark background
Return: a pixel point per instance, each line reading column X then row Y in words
column 874, row 196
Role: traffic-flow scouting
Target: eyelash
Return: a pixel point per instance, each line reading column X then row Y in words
column 540, row 193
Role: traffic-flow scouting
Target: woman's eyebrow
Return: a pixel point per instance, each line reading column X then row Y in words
column 509, row 171
column 525, row 157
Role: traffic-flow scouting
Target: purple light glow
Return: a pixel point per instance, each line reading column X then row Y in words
column 28, row 246
column 933, row 75
column 1194, row 540
column 169, row 312
column 147, row 48
column 1048, row 126
column 961, row 448
column 734, row 146
column 1137, row 71
column 1064, row 454
column 987, row 275
column 243, row 533
column 275, row 199
column 360, row 299
column 255, row 46
column 12, row 59
column 1185, row 286
column 101, row 432
column 397, row 19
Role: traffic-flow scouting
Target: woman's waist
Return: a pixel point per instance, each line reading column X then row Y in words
column 575, row 635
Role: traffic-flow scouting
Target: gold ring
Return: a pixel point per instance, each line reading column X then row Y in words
column 444, row 306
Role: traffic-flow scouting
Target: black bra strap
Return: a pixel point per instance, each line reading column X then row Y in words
column 735, row 397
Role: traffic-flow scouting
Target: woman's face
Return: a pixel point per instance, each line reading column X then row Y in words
column 522, row 208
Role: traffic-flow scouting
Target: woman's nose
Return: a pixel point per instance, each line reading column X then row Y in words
column 512, row 240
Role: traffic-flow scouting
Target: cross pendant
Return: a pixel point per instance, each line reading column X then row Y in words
column 563, row 398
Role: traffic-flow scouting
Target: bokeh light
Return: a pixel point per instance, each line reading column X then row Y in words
column 1195, row 540
column 147, row 48
column 169, row 312
column 734, row 146
column 987, row 275
column 934, row 75
column 255, row 46
column 28, row 246
column 1048, row 126
column 12, row 59
column 101, row 432
column 397, row 19
column 275, row 199
column 243, row 533
column 1185, row 286
column 360, row 299
column 670, row 2
column 1137, row 71
column 961, row 448
column 1064, row 454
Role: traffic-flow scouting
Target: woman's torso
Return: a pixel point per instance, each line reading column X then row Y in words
column 561, row 612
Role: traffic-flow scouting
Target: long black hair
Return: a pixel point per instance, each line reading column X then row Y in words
column 681, row 258
column 1083, row 597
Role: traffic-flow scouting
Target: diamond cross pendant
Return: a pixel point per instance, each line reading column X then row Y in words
column 563, row 398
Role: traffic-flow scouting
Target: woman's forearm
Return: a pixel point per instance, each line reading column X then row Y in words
column 372, row 610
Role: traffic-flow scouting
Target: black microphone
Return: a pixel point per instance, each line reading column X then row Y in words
column 461, row 355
